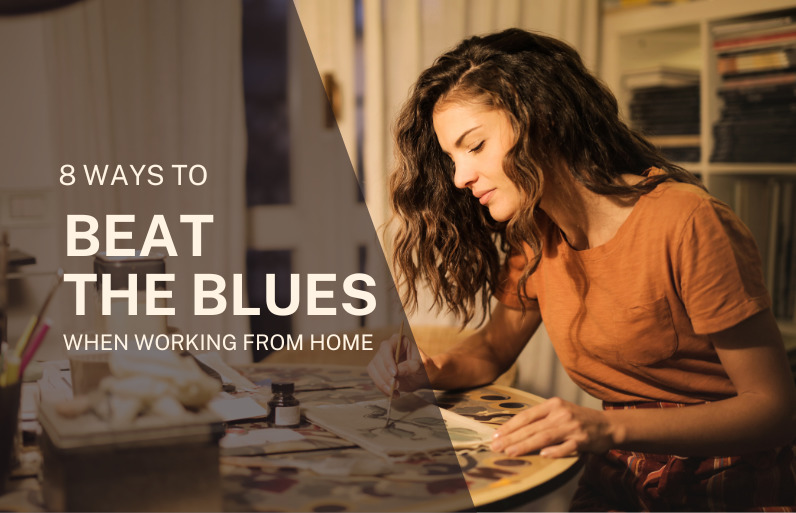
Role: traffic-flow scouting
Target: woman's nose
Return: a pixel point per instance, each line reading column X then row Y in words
column 464, row 175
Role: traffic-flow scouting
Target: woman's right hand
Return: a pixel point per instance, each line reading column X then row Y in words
column 409, row 372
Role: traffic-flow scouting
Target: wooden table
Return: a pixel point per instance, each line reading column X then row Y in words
column 281, row 478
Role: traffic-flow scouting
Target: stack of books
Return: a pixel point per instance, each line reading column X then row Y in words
column 664, row 106
column 757, row 68
column 768, row 207
column 783, row 261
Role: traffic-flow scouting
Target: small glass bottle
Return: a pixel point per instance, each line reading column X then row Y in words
column 284, row 408
column 116, row 271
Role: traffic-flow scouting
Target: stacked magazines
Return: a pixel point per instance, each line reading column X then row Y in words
column 664, row 106
column 756, row 62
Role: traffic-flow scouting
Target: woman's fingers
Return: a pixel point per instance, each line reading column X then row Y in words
column 556, row 428
column 532, row 430
column 534, row 437
column 410, row 350
column 409, row 368
column 383, row 369
column 568, row 448
column 378, row 376
column 411, row 376
column 524, row 418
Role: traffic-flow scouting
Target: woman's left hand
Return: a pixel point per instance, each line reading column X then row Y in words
column 557, row 428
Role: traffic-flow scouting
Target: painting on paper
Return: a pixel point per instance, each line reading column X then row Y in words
column 415, row 426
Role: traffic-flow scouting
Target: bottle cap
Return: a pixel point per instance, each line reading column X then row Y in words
column 120, row 267
column 282, row 388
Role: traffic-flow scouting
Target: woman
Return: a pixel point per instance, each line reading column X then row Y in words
column 651, row 290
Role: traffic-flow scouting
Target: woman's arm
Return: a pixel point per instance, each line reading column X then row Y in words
column 477, row 360
column 761, row 416
column 482, row 357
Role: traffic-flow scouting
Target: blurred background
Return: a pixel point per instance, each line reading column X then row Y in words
column 225, row 84
column 374, row 57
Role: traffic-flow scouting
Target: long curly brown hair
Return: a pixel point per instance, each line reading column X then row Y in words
column 559, row 113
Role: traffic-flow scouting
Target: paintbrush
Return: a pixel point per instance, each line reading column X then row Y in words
column 395, row 379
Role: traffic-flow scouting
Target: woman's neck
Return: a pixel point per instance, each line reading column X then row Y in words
column 586, row 219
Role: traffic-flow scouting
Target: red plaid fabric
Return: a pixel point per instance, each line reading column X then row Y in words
column 632, row 481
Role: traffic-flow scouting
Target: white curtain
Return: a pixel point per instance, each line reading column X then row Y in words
column 142, row 83
column 401, row 38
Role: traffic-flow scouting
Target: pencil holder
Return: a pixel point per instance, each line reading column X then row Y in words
column 9, row 424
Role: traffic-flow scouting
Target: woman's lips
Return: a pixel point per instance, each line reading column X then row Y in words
column 484, row 198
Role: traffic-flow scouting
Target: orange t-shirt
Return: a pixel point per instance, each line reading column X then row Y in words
column 629, row 319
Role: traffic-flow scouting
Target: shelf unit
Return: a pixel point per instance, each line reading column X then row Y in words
column 680, row 35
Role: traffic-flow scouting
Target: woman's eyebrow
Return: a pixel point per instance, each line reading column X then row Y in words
column 461, row 137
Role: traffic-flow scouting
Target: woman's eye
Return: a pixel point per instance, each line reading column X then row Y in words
column 477, row 148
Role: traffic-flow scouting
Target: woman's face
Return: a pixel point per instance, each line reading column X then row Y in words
column 477, row 138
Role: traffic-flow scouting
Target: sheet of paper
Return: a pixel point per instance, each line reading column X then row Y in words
column 228, row 374
column 260, row 437
column 415, row 426
column 55, row 384
column 29, row 401
column 237, row 409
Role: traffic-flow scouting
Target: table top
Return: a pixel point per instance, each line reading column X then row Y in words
column 296, row 475
column 319, row 472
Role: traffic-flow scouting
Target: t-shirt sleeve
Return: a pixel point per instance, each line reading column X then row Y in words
column 718, row 269
column 506, row 291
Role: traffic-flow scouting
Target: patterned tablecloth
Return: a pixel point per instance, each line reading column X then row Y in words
column 325, row 473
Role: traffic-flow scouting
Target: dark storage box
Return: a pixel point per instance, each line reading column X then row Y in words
column 154, row 465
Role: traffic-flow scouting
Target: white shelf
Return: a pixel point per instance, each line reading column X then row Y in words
column 680, row 35
column 694, row 167
column 663, row 16
column 788, row 328
column 751, row 169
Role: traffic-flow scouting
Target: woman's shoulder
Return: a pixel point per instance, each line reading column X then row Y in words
column 677, row 200
column 681, row 211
